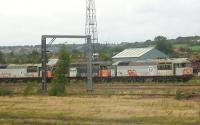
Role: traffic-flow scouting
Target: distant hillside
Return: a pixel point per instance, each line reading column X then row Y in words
column 182, row 46
column 29, row 49
column 188, row 40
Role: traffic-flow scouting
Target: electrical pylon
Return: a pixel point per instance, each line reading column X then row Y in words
column 91, row 23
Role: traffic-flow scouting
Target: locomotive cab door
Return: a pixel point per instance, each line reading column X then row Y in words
column 174, row 68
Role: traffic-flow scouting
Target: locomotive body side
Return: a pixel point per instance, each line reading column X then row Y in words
column 19, row 71
column 165, row 69
column 133, row 71
column 157, row 70
column 183, row 70
column 12, row 73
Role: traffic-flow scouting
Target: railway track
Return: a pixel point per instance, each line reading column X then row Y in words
column 135, row 85
column 144, row 90
column 147, row 90
column 132, row 86
column 139, row 95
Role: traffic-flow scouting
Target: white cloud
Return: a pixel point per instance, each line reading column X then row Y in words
column 24, row 21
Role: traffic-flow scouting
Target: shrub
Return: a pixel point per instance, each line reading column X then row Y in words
column 39, row 91
column 29, row 89
column 183, row 95
column 61, row 72
column 180, row 95
column 5, row 91
column 57, row 90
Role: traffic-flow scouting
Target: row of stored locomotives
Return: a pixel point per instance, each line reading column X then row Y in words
column 179, row 69
column 145, row 70
column 153, row 70
column 78, row 71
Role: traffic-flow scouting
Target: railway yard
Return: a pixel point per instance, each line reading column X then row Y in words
column 115, row 73
column 110, row 103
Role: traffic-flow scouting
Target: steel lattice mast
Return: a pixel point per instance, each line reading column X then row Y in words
column 91, row 22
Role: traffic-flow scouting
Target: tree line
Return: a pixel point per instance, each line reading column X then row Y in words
column 107, row 51
column 12, row 58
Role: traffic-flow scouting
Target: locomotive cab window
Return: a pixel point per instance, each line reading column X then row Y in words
column 164, row 66
column 182, row 65
column 31, row 69
column 188, row 65
column 3, row 66
column 123, row 64
column 103, row 67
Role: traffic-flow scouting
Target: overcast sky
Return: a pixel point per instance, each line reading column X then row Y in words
column 22, row 22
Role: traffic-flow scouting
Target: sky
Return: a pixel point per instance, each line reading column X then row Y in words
column 22, row 22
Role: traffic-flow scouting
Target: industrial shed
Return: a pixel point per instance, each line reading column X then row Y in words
column 135, row 54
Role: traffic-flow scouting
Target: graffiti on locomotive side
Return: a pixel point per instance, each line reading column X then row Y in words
column 28, row 75
column 14, row 75
column 187, row 71
column 132, row 73
column 5, row 74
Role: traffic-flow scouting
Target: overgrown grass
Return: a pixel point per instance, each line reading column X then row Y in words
column 79, row 88
column 187, row 94
column 194, row 81
column 180, row 95
column 195, row 48
column 98, row 110
column 180, row 45
column 57, row 90
column 29, row 89
column 5, row 91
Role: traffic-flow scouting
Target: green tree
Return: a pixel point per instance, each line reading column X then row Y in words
column 2, row 59
column 104, row 56
column 163, row 45
column 33, row 57
column 61, row 73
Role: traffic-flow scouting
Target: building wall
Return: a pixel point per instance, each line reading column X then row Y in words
column 153, row 54
column 124, row 59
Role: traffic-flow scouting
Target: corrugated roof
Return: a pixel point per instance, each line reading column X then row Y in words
column 133, row 52
column 52, row 62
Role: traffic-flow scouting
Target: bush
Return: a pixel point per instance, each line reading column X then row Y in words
column 32, row 89
column 40, row 91
column 29, row 89
column 5, row 91
column 179, row 95
column 183, row 95
column 57, row 90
